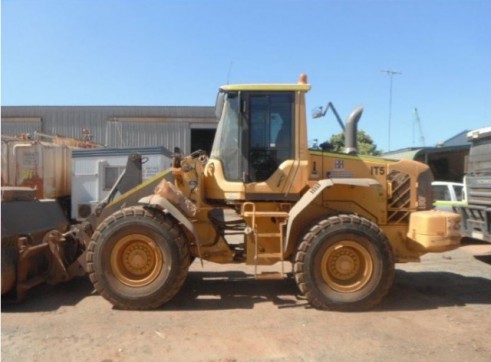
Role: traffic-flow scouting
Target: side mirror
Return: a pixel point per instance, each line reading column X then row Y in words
column 219, row 104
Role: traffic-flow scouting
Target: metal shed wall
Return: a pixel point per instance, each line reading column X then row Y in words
column 114, row 126
column 12, row 126
column 134, row 132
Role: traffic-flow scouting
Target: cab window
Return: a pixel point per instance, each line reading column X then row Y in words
column 228, row 139
column 440, row 192
column 271, row 132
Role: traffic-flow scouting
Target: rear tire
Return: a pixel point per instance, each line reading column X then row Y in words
column 138, row 258
column 9, row 259
column 344, row 262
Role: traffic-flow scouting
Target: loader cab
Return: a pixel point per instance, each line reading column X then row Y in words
column 255, row 135
column 257, row 154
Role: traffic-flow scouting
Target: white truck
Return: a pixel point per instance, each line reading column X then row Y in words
column 447, row 195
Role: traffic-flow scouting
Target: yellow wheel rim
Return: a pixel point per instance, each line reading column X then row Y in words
column 346, row 266
column 136, row 260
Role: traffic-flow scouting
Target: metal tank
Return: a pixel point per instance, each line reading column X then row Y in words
column 44, row 166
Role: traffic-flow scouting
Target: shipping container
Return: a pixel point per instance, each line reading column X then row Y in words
column 95, row 172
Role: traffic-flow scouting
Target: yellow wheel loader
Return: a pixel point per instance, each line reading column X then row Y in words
column 262, row 197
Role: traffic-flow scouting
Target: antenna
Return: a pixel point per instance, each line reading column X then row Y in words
column 391, row 74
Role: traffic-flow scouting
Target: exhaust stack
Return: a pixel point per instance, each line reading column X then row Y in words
column 351, row 131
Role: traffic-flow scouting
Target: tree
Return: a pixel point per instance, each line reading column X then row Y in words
column 364, row 143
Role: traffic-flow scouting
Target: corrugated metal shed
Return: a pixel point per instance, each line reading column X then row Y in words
column 113, row 126
column 446, row 163
column 127, row 132
column 407, row 153
column 12, row 126
column 460, row 139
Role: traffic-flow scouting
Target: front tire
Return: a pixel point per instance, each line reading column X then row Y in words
column 344, row 262
column 138, row 258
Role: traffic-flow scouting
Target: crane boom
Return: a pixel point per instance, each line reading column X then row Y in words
column 417, row 121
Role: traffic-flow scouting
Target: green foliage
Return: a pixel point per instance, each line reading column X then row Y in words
column 364, row 142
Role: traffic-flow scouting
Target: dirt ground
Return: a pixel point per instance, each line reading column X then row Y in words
column 438, row 310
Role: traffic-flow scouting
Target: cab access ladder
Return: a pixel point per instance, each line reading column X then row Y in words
column 249, row 211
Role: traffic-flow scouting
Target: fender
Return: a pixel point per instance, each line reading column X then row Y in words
column 314, row 192
column 159, row 203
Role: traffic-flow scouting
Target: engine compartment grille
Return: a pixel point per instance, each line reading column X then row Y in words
column 398, row 207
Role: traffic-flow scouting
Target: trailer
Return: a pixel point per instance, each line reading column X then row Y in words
column 476, row 213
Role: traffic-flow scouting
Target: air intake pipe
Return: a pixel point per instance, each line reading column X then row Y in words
column 351, row 131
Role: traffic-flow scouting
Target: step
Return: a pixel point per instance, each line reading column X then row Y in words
column 269, row 255
column 269, row 235
column 270, row 276
column 266, row 214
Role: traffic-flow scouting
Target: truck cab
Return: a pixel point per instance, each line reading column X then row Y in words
column 446, row 195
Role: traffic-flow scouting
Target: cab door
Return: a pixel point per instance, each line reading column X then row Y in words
column 271, row 162
column 270, row 119
column 260, row 164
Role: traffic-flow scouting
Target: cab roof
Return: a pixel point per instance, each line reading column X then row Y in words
column 266, row 87
column 302, row 86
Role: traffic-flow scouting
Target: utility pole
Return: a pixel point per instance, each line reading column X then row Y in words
column 391, row 74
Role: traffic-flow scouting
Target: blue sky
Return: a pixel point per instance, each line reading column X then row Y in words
column 126, row 52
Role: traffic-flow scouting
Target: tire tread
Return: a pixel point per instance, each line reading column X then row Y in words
column 179, row 238
column 322, row 227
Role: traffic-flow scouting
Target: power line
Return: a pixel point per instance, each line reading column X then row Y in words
column 391, row 74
